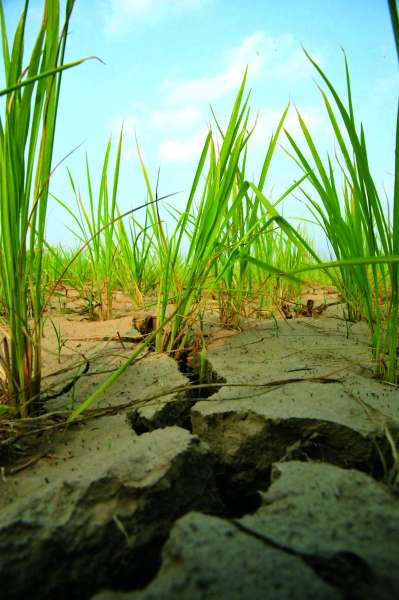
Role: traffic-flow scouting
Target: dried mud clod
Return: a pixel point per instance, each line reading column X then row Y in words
column 276, row 436
column 291, row 310
column 116, row 507
column 145, row 323
column 200, row 374
column 175, row 409
column 172, row 410
column 320, row 532
column 249, row 439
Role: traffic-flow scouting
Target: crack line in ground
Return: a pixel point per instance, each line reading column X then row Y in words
column 344, row 569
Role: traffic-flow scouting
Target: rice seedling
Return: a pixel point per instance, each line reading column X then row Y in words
column 72, row 266
column 137, row 271
column 27, row 129
column 96, row 229
column 205, row 232
column 247, row 288
column 222, row 222
column 61, row 340
column 364, row 243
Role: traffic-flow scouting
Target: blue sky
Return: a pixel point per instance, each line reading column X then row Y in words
column 168, row 60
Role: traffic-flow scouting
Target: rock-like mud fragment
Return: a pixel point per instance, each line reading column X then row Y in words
column 342, row 522
column 208, row 558
column 100, row 503
column 322, row 532
column 300, row 395
column 106, row 523
column 166, row 410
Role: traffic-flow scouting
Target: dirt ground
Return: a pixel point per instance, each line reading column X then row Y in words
column 304, row 339
column 70, row 338
column 297, row 387
column 79, row 354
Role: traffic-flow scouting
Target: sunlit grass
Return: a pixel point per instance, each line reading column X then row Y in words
column 345, row 202
column 27, row 129
column 95, row 220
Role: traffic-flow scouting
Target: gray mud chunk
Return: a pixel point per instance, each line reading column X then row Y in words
column 321, row 532
column 323, row 405
column 173, row 409
column 342, row 522
column 169, row 409
column 71, row 537
column 314, row 423
column 207, row 558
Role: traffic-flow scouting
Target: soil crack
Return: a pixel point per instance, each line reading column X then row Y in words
column 200, row 374
column 344, row 570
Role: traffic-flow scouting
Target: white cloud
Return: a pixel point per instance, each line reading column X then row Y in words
column 182, row 150
column 274, row 57
column 119, row 12
column 160, row 118
column 175, row 118
column 296, row 66
column 268, row 119
column 251, row 52
column 271, row 58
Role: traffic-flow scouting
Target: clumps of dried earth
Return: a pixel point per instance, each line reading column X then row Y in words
column 275, row 480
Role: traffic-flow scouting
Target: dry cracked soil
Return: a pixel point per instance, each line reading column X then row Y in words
column 275, row 479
